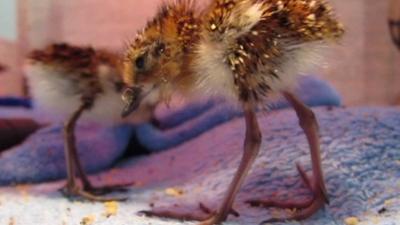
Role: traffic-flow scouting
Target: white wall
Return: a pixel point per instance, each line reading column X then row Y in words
column 8, row 20
column 366, row 68
column 102, row 23
column 10, row 82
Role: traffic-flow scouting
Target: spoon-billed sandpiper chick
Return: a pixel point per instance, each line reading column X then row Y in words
column 246, row 51
column 79, row 81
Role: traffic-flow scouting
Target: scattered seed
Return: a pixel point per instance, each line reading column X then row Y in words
column 111, row 208
column 351, row 221
column 88, row 220
column 174, row 192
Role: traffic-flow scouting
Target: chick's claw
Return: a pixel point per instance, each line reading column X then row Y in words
column 203, row 214
column 78, row 193
column 103, row 190
column 304, row 213
column 302, row 209
column 170, row 214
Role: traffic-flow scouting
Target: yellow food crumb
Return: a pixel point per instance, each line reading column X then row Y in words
column 111, row 208
column 87, row 220
column 351, row 221
column 389, row 202
column 175, row 192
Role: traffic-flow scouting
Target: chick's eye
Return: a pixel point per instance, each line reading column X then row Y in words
column 140, row 62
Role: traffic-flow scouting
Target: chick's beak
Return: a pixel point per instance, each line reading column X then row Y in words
column 132, row 98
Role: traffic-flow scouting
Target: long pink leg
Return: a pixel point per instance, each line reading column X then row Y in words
column 251, row 148
column 308, row 123
column 87, row 185
column 73, row 163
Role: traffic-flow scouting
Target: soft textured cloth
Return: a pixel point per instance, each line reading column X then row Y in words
column 41, row 156
column 179, row 125
column 360, row 159
column 15, row 102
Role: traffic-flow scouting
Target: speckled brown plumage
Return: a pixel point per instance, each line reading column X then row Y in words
column 179, row 25
column 254, row 52
column 76, row 81
column 304, row 19
column 178, row 21
column 245, row 51
column 80, row 65
column 263, row 47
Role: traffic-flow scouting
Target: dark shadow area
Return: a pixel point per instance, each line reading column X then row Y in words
column 15, row 131
column 135, row 149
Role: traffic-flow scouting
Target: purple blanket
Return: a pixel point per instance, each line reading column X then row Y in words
column 41, row 157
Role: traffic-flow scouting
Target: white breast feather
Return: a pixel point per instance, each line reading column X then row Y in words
column 300, row 60
column 214, row 77
column 50, row 94
column 55, row 96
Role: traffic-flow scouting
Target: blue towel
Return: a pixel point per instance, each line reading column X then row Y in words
column 360, row 158
column 15, row 102
column 360, row 152
column 41, row 156
column 194, row 119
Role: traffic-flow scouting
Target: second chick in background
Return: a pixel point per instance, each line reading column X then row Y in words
column 73, row 82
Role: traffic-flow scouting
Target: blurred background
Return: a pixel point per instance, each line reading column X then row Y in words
column 365, row 69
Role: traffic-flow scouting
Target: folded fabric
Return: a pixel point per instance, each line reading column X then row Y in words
column 360, row 150
column 15, row 102
column 41, row 157
column 177, row 125
column 312, row 90
column 15, row 131
column 360, row 158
